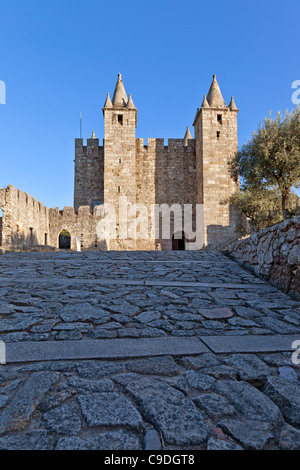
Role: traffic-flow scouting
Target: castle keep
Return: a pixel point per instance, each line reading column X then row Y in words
column 185, row 172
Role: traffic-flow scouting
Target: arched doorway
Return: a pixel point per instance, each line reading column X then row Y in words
column 64, row 240
column 178, row 243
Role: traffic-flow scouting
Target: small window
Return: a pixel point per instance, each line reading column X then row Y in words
column 219, row 118
column 46, row 239
column 120, row 119
column 120, row 160
column 218, row 135
column 119, row 189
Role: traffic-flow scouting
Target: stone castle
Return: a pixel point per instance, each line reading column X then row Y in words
column 185, row 172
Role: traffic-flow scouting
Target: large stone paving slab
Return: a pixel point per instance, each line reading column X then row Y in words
column 250, row 343
column 17, row 413
column 175, row 416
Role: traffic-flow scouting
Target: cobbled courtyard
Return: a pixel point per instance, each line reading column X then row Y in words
column 145, row 350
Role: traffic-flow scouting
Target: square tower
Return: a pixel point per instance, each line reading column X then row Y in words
column 120, row 121
column 216, row 144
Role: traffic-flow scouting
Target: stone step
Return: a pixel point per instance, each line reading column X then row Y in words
column 257, row 283
column 31, row 351
column 102, row 349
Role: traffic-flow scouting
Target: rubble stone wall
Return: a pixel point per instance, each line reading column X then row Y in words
column 273, row 253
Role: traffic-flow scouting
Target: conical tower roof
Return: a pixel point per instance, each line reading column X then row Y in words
column 187, row 137
column 108, row 103
column 205, row 103
column 130, row 104
column 214, row 97
column 93, row 135
column 120, row 98
column 232, row 105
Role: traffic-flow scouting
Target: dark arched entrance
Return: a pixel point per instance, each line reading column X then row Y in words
column 64, row 240
column 178, row 243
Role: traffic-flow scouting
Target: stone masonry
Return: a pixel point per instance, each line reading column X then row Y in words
column 25, row 220
column 185, row 172
column 273, row 253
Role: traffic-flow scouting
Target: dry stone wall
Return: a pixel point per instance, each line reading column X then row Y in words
column 273, row 253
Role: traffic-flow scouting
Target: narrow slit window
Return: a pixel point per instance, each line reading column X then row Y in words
column 219, row 118
column 120, row 160
column 119, row 189
column 120, row 119
column 218, row 135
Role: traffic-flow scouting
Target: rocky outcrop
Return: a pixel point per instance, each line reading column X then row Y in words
column 273, row 253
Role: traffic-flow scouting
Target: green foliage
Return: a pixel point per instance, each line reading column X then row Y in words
column 64, row 233
column 271, row 158
column 262, row 207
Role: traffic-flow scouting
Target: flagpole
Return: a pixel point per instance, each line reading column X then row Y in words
column 80, row 126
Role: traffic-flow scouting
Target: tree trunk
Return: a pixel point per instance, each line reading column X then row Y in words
column 284, row 203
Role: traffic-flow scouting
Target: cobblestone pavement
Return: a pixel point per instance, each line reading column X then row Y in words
column 237, row 400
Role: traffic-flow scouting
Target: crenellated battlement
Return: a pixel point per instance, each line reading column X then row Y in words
column 13, row 195
column 91, row 149
column 68, row 212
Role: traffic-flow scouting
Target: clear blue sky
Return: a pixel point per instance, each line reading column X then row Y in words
column 60, row 57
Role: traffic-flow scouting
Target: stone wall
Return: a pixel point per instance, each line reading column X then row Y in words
column 120, row 165
column 151, row 173
column 216, row 144
column 273, row 253
column 89, row 173
column 165, row 175
column 81, row 224
column 25, row 220
column 192, row 172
